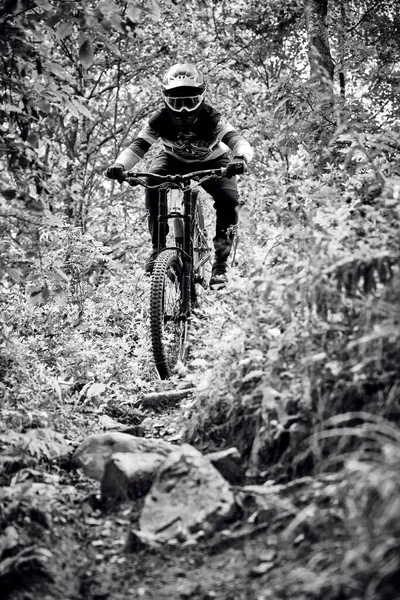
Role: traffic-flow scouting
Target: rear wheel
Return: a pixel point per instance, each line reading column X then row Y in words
column 167, row 326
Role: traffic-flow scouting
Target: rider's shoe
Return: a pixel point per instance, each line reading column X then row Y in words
column 219, row 278
column 149, row 264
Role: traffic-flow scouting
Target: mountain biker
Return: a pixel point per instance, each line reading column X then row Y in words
column 195, row 136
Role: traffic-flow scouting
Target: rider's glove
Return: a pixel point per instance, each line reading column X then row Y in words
column 237, row 166
column 115, row 171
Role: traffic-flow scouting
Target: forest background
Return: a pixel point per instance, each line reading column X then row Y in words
column 308, row 336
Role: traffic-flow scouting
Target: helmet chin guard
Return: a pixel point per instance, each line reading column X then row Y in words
column 184, row 118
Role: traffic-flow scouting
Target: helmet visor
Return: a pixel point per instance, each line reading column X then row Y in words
column 180, row 103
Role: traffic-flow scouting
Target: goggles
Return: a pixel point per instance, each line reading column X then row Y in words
column 189, row 103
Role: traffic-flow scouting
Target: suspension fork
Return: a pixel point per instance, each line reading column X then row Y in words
column 187, row 250
column 187, row 254
column 162, row 218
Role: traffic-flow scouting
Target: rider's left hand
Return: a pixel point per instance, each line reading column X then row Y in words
column 115, row 171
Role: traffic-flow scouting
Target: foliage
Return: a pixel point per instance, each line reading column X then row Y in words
column 314, row 340
column 298, row 363
column 53, row 354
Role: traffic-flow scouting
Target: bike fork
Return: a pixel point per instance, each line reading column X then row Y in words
column 187, row 252
column 186, row 255
column 162, row 219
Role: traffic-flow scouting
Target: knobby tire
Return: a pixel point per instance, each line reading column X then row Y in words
column 168, row 329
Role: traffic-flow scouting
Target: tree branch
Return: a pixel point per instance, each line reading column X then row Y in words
column 353, row 27
column 12, row 16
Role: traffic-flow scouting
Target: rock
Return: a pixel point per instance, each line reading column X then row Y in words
column 108, row 423
column 188, row 494
column 134, row 430
column 265, row 502
column 267, row 555
column 138, row 541
column 261, row 569
column 189, row 589
column 9, row 539
column 228, row 463
column 129, row 475
column 160, row 400
column 93, row 453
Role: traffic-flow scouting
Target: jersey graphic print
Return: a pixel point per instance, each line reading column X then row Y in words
column 188, row 146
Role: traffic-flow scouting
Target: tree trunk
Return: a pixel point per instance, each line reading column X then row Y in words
column 322, row 121
column 319, row 53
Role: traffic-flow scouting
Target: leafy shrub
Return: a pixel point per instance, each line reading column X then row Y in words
column 312, row 330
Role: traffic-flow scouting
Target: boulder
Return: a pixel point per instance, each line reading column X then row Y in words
column 228, row 463
column 94, row 452
column 188, row 495
column 129, row 475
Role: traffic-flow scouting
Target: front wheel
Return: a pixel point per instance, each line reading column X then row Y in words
column 168, row 326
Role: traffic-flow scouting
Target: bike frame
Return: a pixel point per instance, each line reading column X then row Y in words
column 170, row 312
column 182, row 182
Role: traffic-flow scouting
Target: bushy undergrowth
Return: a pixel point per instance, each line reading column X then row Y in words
column 372, row 502
column 304, row 378
column 312, row 330
column 88, row 348
column 366, row 559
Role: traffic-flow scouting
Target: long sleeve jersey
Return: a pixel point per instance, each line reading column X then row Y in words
column 206, row 139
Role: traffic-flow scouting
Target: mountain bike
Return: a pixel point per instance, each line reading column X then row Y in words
column 178, row 276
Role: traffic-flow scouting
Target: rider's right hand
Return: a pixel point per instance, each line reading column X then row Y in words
column 237, row 166
column 115, row 171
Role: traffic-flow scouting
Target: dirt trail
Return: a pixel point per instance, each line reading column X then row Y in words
column 78, row 549
column 90, row 555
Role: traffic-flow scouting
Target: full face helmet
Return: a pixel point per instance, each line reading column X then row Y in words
column 183, row 90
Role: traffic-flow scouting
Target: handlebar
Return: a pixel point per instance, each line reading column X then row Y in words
column 134, row 177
